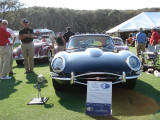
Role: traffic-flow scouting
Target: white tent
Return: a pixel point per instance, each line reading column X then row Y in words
column 145, row 20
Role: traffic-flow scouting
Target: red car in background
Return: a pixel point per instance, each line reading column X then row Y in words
column 43, row 50
column 119, row 44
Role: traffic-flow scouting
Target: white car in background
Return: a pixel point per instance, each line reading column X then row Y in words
column 119, row 44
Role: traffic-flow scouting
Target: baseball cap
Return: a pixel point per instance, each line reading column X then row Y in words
column 153, row 28
column 68, row 28
column 25, row 21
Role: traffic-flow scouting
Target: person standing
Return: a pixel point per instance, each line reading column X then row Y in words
column 141, row 40
column 60, row 42
column 152, row 46
column 5, row 23
column 67, row 35
column 5, row 52
column 27, row 46
column 154, row 40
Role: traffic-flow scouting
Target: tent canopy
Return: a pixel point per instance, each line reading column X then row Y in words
column 145, row 20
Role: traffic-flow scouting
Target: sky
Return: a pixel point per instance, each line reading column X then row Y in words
column 94, row 4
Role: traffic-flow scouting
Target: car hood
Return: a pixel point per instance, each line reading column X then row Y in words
column 36, row 46
column 95, row 60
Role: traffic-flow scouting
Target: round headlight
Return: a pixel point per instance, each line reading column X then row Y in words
column 58, row 64
column 134, row 63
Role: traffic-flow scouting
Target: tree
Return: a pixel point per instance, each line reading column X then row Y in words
column 9, row 5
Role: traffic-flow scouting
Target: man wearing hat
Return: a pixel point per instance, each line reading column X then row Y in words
column 27, row 46
column 141, row 40
column 67, row 35
column 4, row 52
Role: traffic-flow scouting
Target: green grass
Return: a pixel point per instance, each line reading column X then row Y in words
column 142, row 103
column 16, row 45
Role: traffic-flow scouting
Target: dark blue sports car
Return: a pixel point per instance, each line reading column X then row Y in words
column 93, row 57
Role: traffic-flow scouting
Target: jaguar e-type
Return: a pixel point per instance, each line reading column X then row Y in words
column 93, row 57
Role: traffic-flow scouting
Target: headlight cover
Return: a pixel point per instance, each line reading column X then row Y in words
column 58, row 64
column 134, row 63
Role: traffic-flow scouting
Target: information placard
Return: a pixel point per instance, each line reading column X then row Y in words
column 99, row 98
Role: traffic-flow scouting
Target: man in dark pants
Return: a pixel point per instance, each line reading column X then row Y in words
column 60, row 42
column 67, row 35
column 27, row 46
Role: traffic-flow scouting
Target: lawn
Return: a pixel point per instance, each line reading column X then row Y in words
column 142, row 103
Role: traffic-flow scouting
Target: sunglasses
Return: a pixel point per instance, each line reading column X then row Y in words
column 4, row 23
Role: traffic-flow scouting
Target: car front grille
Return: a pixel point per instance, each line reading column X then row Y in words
column 97, row 77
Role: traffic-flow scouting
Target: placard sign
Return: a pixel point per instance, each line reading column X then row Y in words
column 99, row 98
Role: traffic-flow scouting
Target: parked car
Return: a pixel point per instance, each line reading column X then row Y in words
column 131, row 40
column 43, row 50
column 119, row 45
column 93, row 57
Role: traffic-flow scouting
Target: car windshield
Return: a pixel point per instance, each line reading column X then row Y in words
column 83, row 42
column 118, row 41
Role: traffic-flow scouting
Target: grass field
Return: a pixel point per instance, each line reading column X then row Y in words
column 142, row 103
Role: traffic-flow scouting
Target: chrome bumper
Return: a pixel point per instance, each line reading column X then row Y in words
column 122, row 78
column 21, row 58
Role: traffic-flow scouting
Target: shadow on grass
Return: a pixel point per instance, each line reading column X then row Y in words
column 148, row 90
column 7, row 87
column 124, row 102
column 32, row 79
column 36, row 64
column 74, row 98
column 48, row 106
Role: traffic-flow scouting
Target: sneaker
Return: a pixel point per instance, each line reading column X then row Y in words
column 12, row 73
column 6, row 78
column 31, row 71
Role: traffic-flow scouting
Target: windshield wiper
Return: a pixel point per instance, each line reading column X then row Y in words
column 72, row 48
column 93, row 46
column 107, row 45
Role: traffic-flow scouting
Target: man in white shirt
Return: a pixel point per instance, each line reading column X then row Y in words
column 5, row 24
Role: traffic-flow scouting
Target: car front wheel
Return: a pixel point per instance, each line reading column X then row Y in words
column 19, row 62
column 57, row 86
column 49, row 56
column 48, row 59
column 130, row 84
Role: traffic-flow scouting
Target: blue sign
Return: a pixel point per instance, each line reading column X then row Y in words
column 99, row 98
column 98, row 109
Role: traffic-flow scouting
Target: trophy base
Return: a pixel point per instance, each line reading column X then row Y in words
column 38, row 101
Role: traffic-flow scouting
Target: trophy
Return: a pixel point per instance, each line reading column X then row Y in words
column 39, row 99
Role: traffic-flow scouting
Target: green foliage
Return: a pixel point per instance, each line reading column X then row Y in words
column 57, row 19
